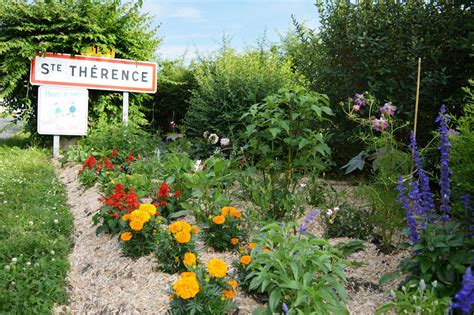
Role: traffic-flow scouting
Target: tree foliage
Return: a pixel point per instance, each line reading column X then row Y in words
column 31, row 27
column 374, row 46
column 229, row 83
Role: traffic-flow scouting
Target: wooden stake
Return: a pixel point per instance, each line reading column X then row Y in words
column 417, row 97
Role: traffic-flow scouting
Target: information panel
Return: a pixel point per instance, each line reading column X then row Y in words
column 62, row 111
column 93, row 73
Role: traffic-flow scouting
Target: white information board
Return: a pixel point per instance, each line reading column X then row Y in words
column 94, row 73
column 62, row 111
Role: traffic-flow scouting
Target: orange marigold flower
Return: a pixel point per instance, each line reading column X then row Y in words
column 232, row 283
column 180, row 226
column 229, row 294
column 234, row 241
column 186, row 287
column 126, row 236
column 219, row 219
column 245, row 260
column 172, row 296
column 146, row 207
column 126, row 217
column 183, row 237
column 217, row 268
column 235, row 213
column 136, row 225
column 225, row 211
column 195, row 229
column 252, row 245
column 189, row 259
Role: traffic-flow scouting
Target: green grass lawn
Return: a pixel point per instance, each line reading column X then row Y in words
column 35, row 228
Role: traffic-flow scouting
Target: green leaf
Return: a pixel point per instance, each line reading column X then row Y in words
column 274, row 300
column 389, row 277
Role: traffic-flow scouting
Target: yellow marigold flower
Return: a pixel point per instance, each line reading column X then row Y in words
column 183, row 237
column 195, row 229
column 126, row 217
column 186, row 274
column 242, row 249
column 234, row 241
column 186, row 287
column 225, row 211
column 136, row 225
column 217, row 268
column 235, row 213
column 146, row 207
column 232, row 283
column 176, row 258
column 245, row 260
column 126, row 236
column 140, row 216
column 229, row 294
column 252, row 245
column 219, row 219
column 189, row 259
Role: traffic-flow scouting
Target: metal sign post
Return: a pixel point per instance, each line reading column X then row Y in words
column 125, row 108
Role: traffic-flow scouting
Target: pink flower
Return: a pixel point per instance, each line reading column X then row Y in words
column 356, row 108
column 388, row 109
column 379, row 124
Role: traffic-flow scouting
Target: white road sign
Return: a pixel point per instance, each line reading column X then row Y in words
column 62, row 111
column 93, row 73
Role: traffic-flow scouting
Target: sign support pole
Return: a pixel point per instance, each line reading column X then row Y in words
column 55, row 147
column 125, row 108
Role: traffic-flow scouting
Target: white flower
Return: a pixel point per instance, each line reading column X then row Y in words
column 205, row 134
column 336, row 209
column 56, row 221
column 28, row 263
column 52, row 252
column 13, row 283
column 30, row 222
column 7, row 268
column 197, row 166
column 14, row 260
column 329, row 212
column 52, row 259
column 213, row 138
column 225, row 142
column 302, row 185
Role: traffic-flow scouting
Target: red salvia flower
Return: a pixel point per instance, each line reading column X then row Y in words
column 89, row 163
column 108, row 164
column 163, row 204
column 130, row 158
column 164, row 191
column 116, row 215
column 132, row 200
column 177, row 194
column 114, row 152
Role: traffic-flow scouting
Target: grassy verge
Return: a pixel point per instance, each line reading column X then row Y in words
column 35, row 228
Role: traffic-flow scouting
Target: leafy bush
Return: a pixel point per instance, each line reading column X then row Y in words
column 286, row 142
column 416, row 299
column 228, row 84
column 203, row 292
column 109, row 25
column 224, row 231
column 442, row 254
column 374, row 46
column 301, row 271
column 176, row 247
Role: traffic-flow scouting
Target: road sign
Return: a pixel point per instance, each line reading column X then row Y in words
column 93, row 73
column 62, row 111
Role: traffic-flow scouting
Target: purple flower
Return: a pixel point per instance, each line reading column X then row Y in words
column 413, row 234
column 452, row 132
column 284, row 307
column 356, row 108
column 445, row 181
column 388, row 109
column 425, row 204
column 379, row 124
column 465, row 297
column 360, row 100
column 308, row 220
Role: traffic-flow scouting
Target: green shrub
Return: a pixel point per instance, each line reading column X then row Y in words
column 347, row 222
column 302, row 271
column 416, row 299
column 285, row 142
column 375, row 46
column 228, row 84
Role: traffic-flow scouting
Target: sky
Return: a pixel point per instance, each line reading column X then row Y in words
column 192, row 27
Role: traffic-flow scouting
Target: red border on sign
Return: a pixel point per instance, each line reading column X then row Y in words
column 94, row 86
